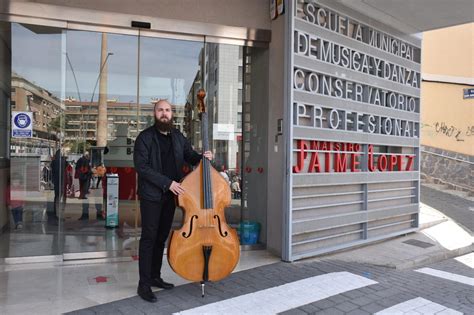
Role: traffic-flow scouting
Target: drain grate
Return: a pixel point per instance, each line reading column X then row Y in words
column 418, row 243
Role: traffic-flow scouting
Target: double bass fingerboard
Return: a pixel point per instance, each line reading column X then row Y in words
column 206, row 165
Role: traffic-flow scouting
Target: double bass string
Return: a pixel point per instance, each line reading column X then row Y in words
column 206, row 174
column 206, row 146
column 204, row 178
column 206, row 189
column 208, row 197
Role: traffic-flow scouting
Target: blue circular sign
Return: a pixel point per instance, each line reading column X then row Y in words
column 22, row 121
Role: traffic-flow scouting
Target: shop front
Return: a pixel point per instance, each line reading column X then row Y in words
column 78, row 87
column 314, row 118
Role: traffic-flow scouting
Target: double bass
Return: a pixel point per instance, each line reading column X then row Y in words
column 205, row 248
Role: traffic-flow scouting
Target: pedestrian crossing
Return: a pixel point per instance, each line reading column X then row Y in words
column 418, row 306
column 311, row 290
column 326, row 287
column 447, row 275
column 285, row 297
column 467, row 260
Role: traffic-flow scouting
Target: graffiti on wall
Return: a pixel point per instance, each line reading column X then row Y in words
column 448, row 130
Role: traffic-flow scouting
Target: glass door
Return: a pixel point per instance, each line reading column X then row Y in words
column 85, row 96
column 170, row 69
column 101, row 122
column 235, row 77
column 112, row 84
column 223, row 76
column 32, row 113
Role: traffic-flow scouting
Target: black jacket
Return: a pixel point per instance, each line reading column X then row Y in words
column 83, row 168
column 58, row 168
column 147, row 159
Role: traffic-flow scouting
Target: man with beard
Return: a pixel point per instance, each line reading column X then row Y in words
column 159, row 155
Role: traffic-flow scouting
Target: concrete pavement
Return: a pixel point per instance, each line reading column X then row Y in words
column 428, row 272
column 456, row 205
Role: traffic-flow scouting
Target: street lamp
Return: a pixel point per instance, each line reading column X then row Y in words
column 77, row 88
column 74, row 76
column 100, row 73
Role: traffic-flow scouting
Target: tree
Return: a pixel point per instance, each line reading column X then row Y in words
column 77, row 146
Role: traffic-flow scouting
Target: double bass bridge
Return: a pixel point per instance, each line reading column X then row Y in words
column 207, row 226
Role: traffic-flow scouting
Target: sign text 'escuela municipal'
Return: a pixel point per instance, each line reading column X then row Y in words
column 372, row 86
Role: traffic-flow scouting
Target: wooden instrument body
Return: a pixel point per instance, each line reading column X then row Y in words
column 204, row 227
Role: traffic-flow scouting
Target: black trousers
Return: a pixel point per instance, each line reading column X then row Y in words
column 157, row 217
column 84, row 187
column 59, row 199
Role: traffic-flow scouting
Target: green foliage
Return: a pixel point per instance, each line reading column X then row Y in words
column 77, row 146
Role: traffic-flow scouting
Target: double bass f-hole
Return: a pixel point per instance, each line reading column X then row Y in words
column 220, row 227
column 190, row 227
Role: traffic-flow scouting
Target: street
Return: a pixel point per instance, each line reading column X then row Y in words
column 380, row 289
column 346, row 283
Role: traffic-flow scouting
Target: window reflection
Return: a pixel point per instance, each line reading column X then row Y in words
column 66, row 79
column 31, row 217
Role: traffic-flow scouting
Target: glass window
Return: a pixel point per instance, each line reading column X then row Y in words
column 240, row 155
column 31, row 217
column 84, row 100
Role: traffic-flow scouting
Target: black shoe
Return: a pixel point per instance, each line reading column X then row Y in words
column 158, row 282
column 145, row 293
column 83, row 217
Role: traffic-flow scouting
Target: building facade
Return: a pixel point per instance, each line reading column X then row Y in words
column 315, row 112
column 355, row 91
column 47, row 111
column 447, row 121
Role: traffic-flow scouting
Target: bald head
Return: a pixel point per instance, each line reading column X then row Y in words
column 162, row 103
column 163, row 115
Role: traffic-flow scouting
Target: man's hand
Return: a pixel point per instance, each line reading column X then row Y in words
column 208, row 155
column 176, row 188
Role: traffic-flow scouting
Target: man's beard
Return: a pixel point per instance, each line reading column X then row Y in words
column 164, row 126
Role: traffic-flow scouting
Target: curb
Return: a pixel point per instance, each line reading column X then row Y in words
column 432, row 258
column 432, row 223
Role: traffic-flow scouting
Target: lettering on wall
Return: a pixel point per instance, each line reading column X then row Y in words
column 321, row 84
column 319, row 116
column 353, row 78
column 330, row 20
column 324, row 50
column 313, row 156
